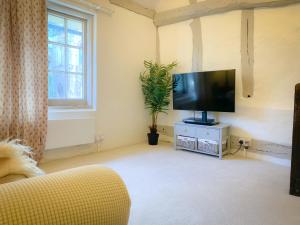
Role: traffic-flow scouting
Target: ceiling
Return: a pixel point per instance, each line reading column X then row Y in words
column 162, row 5
column 151, row 4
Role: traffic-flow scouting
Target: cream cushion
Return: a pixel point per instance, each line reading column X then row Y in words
column 88, row 195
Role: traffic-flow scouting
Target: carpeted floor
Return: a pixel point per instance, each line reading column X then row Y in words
column 169, row 187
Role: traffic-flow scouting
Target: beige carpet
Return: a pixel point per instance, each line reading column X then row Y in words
column 169, row 187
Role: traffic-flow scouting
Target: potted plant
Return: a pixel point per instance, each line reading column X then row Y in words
column 156, row 86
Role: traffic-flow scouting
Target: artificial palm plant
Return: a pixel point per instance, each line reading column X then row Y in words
column 156, row 86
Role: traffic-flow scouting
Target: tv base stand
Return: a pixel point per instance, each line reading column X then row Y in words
column 201, row 121
column 208, row 122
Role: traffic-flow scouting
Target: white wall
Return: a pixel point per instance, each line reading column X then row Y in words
column 124, row 40
column 268, row 115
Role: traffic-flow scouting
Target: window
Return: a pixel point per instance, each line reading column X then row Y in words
column 69, row 58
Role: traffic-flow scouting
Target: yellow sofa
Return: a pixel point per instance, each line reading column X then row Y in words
column 89, row 195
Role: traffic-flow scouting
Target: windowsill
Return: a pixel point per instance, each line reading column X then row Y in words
column 69, row 109
column 71, row 113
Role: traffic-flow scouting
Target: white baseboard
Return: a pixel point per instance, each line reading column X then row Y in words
column 252, row 155
column 165, row 138
column 68, row 152
column 268, row 158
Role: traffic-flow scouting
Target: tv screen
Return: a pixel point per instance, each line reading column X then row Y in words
column 205, row 91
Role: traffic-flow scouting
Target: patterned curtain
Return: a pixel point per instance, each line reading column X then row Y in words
column 23, row 72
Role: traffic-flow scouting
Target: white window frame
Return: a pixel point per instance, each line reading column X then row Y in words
column 89, row 59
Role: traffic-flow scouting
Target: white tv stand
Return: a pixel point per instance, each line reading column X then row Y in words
column 191, row 137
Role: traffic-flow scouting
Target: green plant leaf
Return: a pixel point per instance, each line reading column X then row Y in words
column 157, row 85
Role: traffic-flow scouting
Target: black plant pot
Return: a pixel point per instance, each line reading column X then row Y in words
column 153, row 138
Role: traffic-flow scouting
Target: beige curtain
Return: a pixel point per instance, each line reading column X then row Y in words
column 23, row 72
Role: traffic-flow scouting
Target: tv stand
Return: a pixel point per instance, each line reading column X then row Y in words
column 210, row 140
column 201, row 121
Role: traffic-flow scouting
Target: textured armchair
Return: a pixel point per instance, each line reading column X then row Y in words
column 81, row 196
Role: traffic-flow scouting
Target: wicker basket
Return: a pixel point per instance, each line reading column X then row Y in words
column 186, row 142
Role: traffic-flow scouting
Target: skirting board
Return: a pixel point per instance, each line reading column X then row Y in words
column 73, row 151
column 265, row 147
column 68, row 152
column 261, row 156
column 261, row 150
column 249, row 154
column 165, row 138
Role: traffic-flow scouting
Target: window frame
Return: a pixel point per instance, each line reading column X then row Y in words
column 88, row 61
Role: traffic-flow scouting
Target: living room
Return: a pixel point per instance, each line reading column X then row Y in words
column 75, row 112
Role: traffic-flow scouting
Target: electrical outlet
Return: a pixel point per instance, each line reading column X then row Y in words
column 246, row 142
column 99, row 138
column 165, row 130
column 241, row 141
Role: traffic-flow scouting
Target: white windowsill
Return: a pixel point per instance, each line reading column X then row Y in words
column 70, row 109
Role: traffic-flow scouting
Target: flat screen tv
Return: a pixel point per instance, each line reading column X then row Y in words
column 205, row 91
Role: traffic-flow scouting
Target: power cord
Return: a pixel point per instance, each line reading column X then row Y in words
column 240, row 147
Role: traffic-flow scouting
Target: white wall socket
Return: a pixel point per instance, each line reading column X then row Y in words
column 99, row 138
column 246, row 142
column 165, row 130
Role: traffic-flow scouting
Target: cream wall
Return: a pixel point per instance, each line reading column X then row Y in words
column 268, row 115
column 124, row 39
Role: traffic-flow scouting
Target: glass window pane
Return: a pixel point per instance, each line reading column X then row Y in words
column 56, row 29
column 56, row 57
column 75, row 87
column 56, row 85
column 75, row 60
column 75, row 34
column 66, row 41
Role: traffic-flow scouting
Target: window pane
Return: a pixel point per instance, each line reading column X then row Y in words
column 75, row 88
column 66, row 59
column 75, row 60
column 56, row 57
column 56, row 29
column 56, row 85
column 75, row 34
